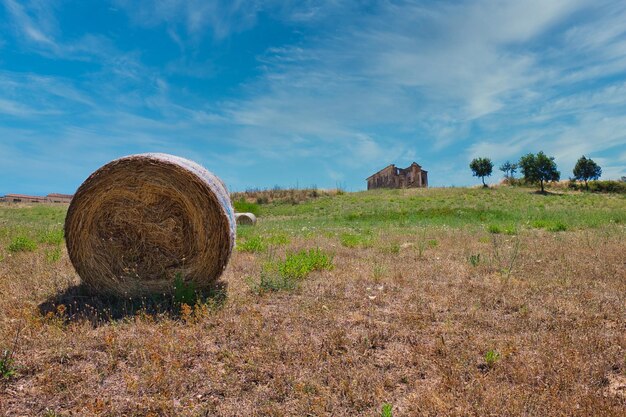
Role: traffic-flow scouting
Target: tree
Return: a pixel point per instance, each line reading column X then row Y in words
column 539, row 168
column 481, row 167
column 509, row 169
column 586, row 169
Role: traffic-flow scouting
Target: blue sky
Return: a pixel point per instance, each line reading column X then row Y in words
column 308, row 92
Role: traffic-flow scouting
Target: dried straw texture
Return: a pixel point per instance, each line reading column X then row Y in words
column 245, row 218
column 139, row 221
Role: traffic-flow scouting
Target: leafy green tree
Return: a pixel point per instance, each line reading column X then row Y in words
column 539, row 168
column 509, row 169
column 481, row 167
column 586, row 169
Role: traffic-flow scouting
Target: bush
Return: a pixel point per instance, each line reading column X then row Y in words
column 607, row 186
column 516, row 182
column 22, row 244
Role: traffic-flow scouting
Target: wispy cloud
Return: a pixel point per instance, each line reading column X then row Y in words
column 196, row 17
column 34, row 20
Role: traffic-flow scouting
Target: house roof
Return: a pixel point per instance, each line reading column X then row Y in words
column 377, row 172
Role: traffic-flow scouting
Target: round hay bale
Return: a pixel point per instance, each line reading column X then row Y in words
column 139, row 221
column 245, row 218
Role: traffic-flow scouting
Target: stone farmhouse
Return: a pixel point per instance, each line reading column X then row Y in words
column 50, row 198
column 392, row 177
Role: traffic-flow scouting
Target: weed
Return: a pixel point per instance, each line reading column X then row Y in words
column 277, row 239
column 22, row 244
column 491, row 357
column 421, row 244
column 432, row 243
column 353, row 241
column 298, row 265
column 7, row 368
column 513, row 257
column 558, row 227
column 51, row 236
column 378, row 272
column 474, row 259
column 510, row 230
column 484, row 239
column 253, row 244
column 287, row 274
column 53, row 255
column 393, row 249
column 271, row 281
column 184, row 293
column 386, row 410
column 242, row 206
column 494, row 228
column 6, row 365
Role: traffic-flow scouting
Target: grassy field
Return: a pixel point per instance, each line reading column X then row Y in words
column 396, row 303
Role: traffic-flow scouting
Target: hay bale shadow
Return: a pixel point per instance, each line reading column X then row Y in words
column 79, row 303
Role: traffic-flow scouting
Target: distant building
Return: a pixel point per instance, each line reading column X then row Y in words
column 59, row 198
column 392, row 177
column 50, row 198
column 23, row 198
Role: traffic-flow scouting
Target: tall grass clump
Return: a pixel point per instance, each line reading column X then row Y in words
column 22, row 244
column 51, row 236
column 297, row 265
column 288, row 273
column 350, row 240
column 242, row 206
column 253, row 244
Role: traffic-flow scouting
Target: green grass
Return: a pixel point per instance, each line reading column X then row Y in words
column 242, row 206
column 491, row 357
column 386, row 410
column 255, row 243
column 363, row 219
column 52, row 236
column 252, row 245
column 7, row 369
column 286, row 274
column 297, row 265
column 351, row 240
column 506, row 210
column 22, row 244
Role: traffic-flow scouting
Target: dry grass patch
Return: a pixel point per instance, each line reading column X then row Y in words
column 424, row 330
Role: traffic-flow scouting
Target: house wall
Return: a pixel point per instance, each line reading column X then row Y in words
column 387, row 178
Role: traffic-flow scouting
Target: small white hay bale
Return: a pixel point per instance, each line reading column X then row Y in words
column 139, row 221
column 245, row 218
